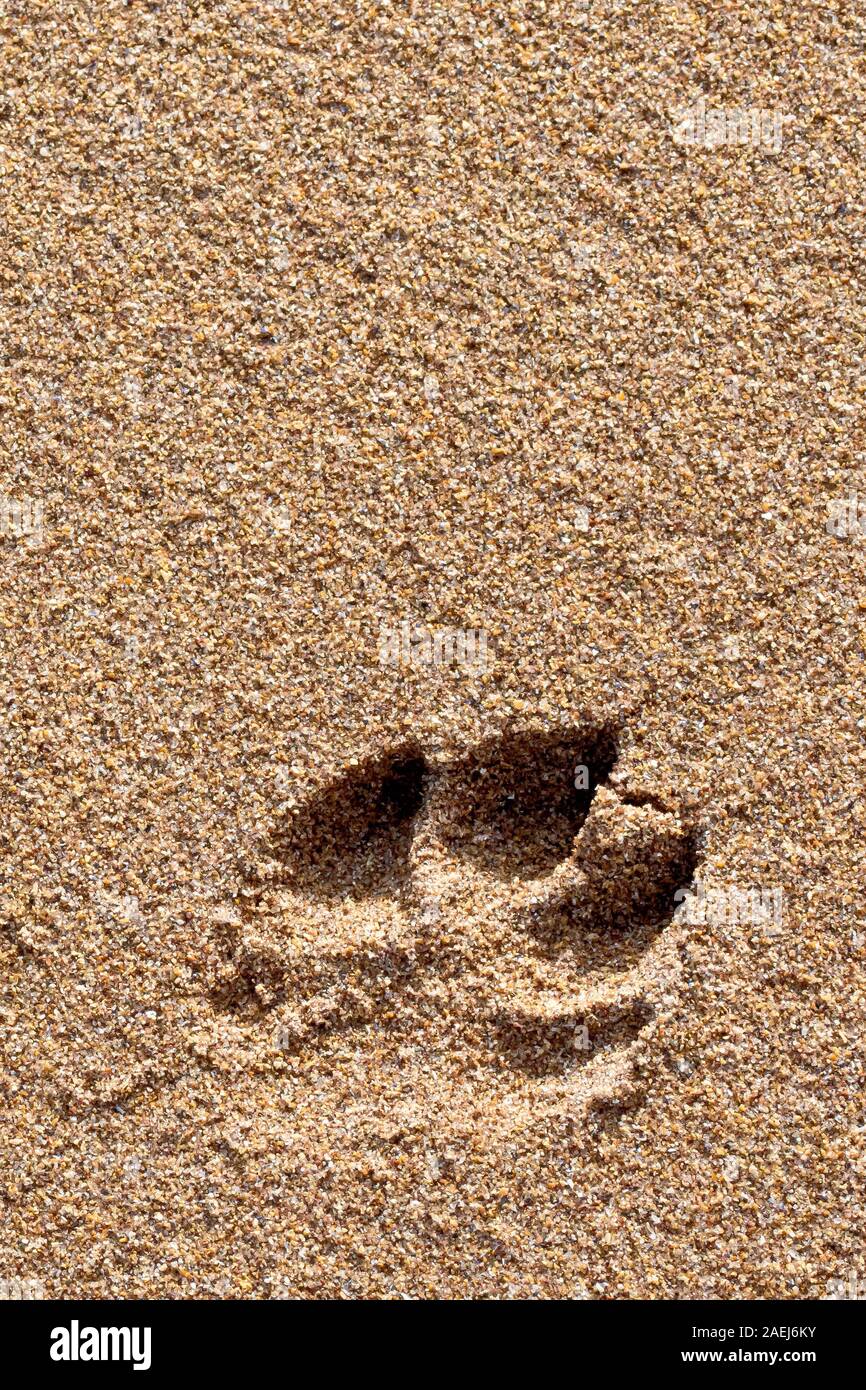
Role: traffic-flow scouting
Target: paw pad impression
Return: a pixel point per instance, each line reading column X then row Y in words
column 504, row 912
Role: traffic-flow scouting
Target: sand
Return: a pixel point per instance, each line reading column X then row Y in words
column 400, row 415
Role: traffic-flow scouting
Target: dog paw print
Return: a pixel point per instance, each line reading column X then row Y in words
column 501, row 915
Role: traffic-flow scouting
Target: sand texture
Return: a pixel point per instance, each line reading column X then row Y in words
column 432, row 614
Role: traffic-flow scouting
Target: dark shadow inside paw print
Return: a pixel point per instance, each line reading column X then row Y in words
column 547, row 1047
column 519, row 801
column 353, row 837
column 627, row 895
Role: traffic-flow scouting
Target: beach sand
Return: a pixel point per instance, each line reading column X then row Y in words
column 400, row 415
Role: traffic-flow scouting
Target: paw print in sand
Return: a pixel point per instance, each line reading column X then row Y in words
column 499, row 918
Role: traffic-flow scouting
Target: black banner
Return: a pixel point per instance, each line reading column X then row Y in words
column 156, row 1339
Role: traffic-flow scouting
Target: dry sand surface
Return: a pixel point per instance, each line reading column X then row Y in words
column 419, row 619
